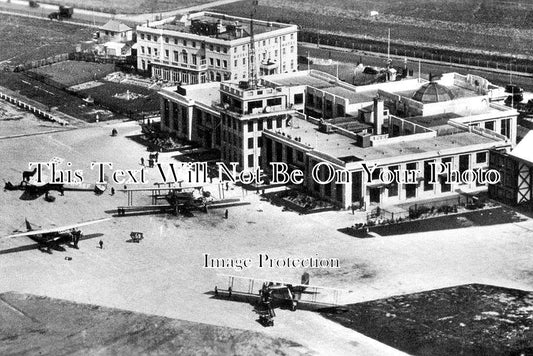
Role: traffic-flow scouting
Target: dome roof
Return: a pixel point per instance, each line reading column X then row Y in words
column 433, row 92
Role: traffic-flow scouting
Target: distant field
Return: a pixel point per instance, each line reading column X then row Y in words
column 24, row 39
column 129, row 6
column 70, row 73
column 493, row 25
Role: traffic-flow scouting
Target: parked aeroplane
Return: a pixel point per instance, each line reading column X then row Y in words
column 280, row 294
column 175, row 199
column 53, row 238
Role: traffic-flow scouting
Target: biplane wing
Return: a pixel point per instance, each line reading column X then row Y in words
column 308, row 296
column 56, row 229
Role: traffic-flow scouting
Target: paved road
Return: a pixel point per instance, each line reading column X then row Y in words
column 349, row 59
column 97, row 17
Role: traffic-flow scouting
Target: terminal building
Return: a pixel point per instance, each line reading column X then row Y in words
column 206, row 47
column 307, row 119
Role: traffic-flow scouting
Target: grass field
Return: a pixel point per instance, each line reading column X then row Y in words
column 26, row 39
column 129, row 6
column 70, row 73
column 470, row 320
column 492, row 25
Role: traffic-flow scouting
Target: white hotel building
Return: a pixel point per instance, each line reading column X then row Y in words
column 205, row 47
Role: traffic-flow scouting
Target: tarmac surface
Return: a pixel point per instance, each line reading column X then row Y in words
column 164, row 274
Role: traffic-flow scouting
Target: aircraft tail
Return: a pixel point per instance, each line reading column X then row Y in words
column 30, row 226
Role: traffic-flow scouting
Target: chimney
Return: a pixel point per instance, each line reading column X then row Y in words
column 377, row 114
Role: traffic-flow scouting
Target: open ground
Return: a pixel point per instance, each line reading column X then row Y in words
column 164, row 274
column 497, row 26
column 26, row 39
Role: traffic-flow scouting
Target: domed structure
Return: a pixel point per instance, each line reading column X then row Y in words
column 433, row 92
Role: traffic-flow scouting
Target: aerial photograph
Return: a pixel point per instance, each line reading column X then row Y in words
column 266, row 177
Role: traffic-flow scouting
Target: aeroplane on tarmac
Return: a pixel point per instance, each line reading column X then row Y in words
column 176, row 200
column 53, row 238
column 270, row 294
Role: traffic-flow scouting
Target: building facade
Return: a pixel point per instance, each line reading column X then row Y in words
column 312, row 122
column 205, row 46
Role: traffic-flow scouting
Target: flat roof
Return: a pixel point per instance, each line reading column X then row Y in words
column 340, row 146
column 296, row 80
column 205, row 93
column 352, row 96
column 433, row 120
column 230, row 22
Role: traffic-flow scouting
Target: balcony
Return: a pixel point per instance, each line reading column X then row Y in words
column 199, row 67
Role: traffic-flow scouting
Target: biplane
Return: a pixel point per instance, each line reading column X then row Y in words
column 176, row 200
column 272, row 294
column 53, row 238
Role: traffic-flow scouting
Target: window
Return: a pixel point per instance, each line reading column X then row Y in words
column 218, row 62
column 148, row 37
column 185, row 42
column 149, row 49
column 489, row 125
column 175, row 41
column 235, row 63
column 256, row 104
column 176, row 56
column 250, row 126
column 443, row 177
column 505, row 128
column 276, row 40
column 250, row 160
column 292, row 36
column 299, row 99
column 142, row 36
column 166, row 53
column 274, row 101
column 264, row 43
column 284, row 51
column 234, row 49
column 218, row 48
column 481, row 157
column 155, row 52
column 244, row 61
column 194, row 59
column 259, row 125
column 393, row 186
column 142, row 49
column 166, row 39
column 184, row 56
column 211, row 61
column 428, row 168
column 269, row 124
column 292, row 49
column 275, row 53
column 292, row 63
column 225, row 64
column 278, row 122
column 224, row 49
column 193, row 44
column 251, row 142
column 210, row 47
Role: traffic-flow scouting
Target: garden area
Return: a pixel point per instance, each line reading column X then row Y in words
column 69, row 73
column 299, row 201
